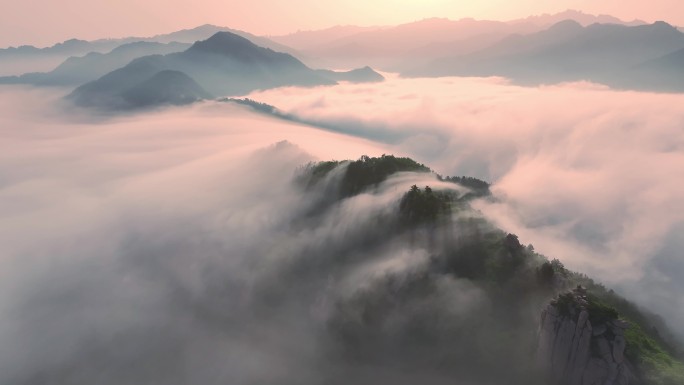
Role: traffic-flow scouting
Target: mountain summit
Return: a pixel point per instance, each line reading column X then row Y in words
column 610, row 54
column 229, row 44
column 224, row 65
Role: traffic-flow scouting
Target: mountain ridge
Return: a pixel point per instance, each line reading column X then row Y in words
column 389, row 46
column 223, row 65
column 625, row 346
column 77, row 70
column 59, row 52
column 604, row 53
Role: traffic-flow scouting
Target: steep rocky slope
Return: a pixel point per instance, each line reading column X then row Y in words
column 580, row 346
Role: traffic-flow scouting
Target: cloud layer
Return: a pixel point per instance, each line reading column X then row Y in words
column 586, row 174
column 130, row 245
column 173, row 247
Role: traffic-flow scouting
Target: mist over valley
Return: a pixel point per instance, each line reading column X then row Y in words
column 210, row 206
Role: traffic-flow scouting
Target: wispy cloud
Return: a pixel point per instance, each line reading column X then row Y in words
column 171, row 246
column 586, row 174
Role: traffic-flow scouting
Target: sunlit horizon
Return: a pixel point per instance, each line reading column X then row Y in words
column 403, row 192
column 22, row 23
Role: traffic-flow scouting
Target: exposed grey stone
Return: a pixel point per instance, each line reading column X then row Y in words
column 604, row 348
column 619, row 345
column 600, row 329
column 581, row 321
column 562, row 349
column 613, row 370
column 552, row 310
column 581, row 356
column 565, row 350
column 623, row 376
column 547, row 338
column 596, row 372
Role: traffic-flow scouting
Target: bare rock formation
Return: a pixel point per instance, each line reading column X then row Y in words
column 574, row 351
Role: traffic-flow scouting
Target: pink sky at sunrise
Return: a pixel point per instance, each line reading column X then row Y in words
column 46, row 22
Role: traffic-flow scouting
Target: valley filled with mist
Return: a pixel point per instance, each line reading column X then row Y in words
column 214, row 207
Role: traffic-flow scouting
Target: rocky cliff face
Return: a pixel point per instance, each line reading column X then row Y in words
column 581, row 345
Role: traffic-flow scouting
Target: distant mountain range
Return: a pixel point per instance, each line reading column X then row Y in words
column 26, row 59
column 397, row 48
column 546, row 20
column 166, row 87
column 359, row 75
column 665, row 73
column 219, row 61
column 77, row 70
column 636, row 57
column 223, row 65
column 205, row 31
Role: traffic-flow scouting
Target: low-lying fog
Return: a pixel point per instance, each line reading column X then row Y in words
column 140, row 238
column 586, row 174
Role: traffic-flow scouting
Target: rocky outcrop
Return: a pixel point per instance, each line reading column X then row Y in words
column 572, row 351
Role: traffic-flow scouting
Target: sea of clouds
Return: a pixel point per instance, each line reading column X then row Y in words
column 586, row 174
column 169, row 246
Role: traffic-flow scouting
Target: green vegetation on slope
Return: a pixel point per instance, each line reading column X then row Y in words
column 657, row 365
column 421, row 206
column 514, row 277
column 367, row 172
column 656, row 361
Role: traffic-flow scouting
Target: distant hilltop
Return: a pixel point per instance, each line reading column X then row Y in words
column 226, row 64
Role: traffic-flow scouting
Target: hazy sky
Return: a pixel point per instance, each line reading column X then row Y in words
column 44, row 22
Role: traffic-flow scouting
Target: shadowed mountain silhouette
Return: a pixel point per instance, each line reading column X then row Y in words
column 27, row 58
column 585, row 19
column 306, row 40
column 71, row 46
column 224, row 65
column 665, row 73
column 359, row 75
column 140, row 85
column 15, row 61
column 165, row 87
column 603, row 53
column 78, row 70
column 205, row 31
column 143, row 83
column 231, row 44
column 406, row 46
